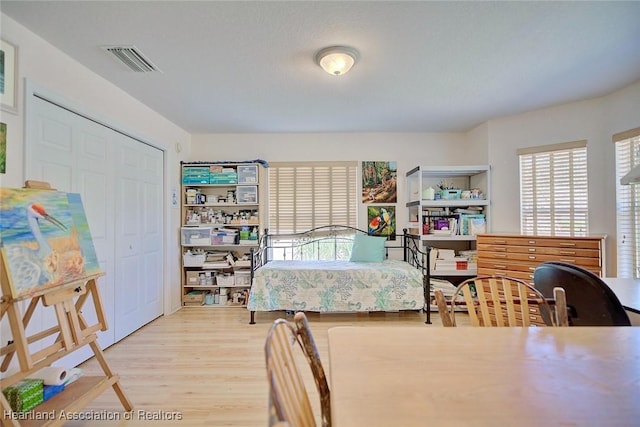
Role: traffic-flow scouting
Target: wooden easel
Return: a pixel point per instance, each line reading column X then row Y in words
column 72, row 332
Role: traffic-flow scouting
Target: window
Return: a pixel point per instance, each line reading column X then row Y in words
column 627, row 145
column 553, row 190
column 311, row 194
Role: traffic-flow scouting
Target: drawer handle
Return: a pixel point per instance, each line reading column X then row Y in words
column 499, row 266
column 532, row 242
column 500, row 242
column 500, row 249
column 532, row 257
column 532, row 268
column 570, row 244
column 572, row 261
column 532, row 249
column 501, row 255
column 567, row 252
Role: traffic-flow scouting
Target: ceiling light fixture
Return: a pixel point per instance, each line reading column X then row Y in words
column 337, row 60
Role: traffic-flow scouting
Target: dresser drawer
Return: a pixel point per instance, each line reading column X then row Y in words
column 527, row 277
column 517, row 256
column 590, row 260
column 506, row 265
column 522, row 275
column 559, row 243
column 556, row 252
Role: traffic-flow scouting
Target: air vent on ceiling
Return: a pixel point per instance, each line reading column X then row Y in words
column 132, row 58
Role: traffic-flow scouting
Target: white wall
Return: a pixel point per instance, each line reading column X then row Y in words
column 407, row 149
column 49, row 68
column 595, row 120
column 494, row 142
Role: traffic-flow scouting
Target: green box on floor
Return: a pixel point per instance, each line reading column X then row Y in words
column 25, row 395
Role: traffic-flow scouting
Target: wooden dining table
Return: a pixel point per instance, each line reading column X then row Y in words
column 470, row 376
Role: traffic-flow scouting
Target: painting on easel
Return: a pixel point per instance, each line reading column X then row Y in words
column 44, row 239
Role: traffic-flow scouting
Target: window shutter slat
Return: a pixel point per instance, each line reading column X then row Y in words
column 553, row 191
column 311, row 194
column 627, row 209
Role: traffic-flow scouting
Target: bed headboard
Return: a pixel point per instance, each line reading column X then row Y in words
column 331, row 242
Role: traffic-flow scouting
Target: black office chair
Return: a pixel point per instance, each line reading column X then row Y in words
column 590, row 302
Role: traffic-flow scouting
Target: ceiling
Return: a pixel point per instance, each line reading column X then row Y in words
column 248, row 66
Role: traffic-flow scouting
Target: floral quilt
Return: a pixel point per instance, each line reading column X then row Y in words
column 336, row 286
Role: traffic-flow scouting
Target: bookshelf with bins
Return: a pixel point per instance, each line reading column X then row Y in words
column 447, row 207
column 221, row 223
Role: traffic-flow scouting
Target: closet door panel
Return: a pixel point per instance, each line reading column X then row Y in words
column 64, row 150
column 139, row 224
column 120, row 180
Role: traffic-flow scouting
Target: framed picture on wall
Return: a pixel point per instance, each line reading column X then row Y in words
column 379, row 182
column 382, row 221
column 8, row 77
column 3, row 147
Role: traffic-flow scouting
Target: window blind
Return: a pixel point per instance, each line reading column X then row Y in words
column 627, row 209
column 553, row 190
column 306, row 195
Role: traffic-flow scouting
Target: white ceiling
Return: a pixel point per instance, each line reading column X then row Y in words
column 248, row 66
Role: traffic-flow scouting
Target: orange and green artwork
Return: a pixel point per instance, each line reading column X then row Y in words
column 45, row 239
column 382, row 221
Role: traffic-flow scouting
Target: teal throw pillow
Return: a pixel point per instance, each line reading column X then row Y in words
column 367, row 248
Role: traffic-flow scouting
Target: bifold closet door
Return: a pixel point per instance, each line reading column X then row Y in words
column 76, row 154
column 138, row 223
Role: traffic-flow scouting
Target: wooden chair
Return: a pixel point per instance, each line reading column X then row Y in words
column 288, row 399
column 503, row 301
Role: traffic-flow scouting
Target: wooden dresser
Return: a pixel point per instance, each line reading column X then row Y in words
column 517, row 255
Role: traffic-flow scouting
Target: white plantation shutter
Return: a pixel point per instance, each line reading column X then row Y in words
column 553, row 190
column 627, row 145
column 311, row 194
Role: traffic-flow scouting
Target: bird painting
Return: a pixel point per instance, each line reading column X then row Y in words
column 39, row 264
column 381, row 221
column 40, row 243
column 375, row 224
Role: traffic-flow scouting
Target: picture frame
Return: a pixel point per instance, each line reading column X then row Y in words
column 8, row 77
column 3, row 148
column 379, row 182
column 382, row 221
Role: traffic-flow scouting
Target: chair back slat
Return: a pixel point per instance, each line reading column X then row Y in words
column 288, row 398
column 288, row 394
column 562, row 315
column 441, row 303
column 308, row 344
column 501, row 301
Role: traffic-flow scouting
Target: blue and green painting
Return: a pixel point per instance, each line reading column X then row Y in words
column 45, row 239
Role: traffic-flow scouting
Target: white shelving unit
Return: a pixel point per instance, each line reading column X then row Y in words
column 222, row 213
column 457, row 235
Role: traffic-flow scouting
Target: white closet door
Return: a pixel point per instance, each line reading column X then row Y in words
column 139, row 227
column 76, row 154
column 71, row 153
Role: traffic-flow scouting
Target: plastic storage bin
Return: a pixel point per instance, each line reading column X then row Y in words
column 225, row 280
column 247, row 194
column 196, row 235
column 193, row 260
column 247, row 174
column 243, row 278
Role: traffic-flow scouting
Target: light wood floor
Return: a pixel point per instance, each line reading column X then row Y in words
column 206, row 366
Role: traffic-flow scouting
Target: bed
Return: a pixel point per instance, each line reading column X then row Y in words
column 337, row 269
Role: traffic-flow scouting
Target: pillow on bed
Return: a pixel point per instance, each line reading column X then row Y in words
column 367, row 248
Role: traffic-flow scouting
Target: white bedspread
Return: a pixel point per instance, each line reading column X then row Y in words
column 336, row 286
